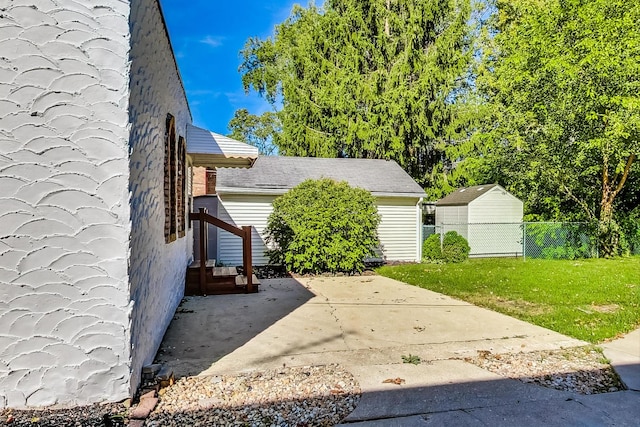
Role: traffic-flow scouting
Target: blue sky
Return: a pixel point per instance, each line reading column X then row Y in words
column 207, row 36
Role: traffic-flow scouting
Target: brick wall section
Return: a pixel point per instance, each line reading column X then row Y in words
column 199, row 181
column 64, row 202
column 211, row 181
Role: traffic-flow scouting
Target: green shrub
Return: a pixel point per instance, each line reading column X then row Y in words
column 630, row 239
column 431, row 250
column 455, row 248
column 323, row 226
column 559, row 240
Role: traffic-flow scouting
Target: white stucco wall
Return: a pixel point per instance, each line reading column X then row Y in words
column 157, row 269
column 87, row 284
column 64, row 211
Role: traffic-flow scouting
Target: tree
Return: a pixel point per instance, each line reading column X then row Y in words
column 323, row 226
column 364, row 78
column 564, row 78
column 260, row 131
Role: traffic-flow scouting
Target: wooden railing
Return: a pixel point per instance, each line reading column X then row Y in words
column 244, row 233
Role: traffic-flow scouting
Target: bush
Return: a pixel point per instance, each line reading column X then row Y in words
column 454, row 248
column 630, row 239
column 431, row 250
column 323, row 226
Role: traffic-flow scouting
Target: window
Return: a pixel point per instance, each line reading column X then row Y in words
column 181, row 186
column 175, row 183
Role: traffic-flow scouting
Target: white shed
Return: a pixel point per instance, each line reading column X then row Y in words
column 488, row 216
column 246, row 197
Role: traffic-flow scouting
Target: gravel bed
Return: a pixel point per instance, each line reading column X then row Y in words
column 312, row 396
column 582, row 370
column 79, row 416
column 300, row 396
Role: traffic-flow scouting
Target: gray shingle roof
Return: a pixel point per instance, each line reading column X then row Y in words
column 276, row 175
column 463, row 196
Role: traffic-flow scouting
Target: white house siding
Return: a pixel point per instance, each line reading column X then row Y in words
column 399, row 229
column 242, row 210
column 157, row 269
column 64, row 212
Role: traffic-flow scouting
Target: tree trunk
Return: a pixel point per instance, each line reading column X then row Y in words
column 387, row 30
column 608, row 230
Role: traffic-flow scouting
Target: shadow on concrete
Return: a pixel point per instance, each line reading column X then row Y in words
column 204, row 329
column 504, row 402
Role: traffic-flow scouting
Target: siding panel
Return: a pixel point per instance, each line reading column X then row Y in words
column 495, row 206
column 452, row 215
column 399, row 229
column 240, row 211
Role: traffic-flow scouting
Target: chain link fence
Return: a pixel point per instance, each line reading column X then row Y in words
column 550, row 240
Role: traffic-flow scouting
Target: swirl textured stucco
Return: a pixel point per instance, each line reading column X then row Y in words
column 83, row 264
column 157, row 269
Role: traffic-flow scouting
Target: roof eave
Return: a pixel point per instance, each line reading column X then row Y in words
column 279, row 191
column 209, row 160
column 398, row 195
column 453, row 204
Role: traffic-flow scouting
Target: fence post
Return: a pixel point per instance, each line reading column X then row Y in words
column 524, row 241
column 203, row 251
column 246, row 257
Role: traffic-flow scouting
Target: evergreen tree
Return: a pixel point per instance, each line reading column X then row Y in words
column 365, row 79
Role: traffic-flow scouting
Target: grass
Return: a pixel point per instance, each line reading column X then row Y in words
column 592, row 300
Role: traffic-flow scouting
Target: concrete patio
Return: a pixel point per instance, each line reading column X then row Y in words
column 366, row 324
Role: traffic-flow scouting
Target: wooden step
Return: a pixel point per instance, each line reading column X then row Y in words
column 224, row 271
column 241, row 282
column 209, row 264
column 219, row 281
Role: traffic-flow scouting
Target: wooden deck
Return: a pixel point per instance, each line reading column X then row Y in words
column 220, row 280
column 203, row 277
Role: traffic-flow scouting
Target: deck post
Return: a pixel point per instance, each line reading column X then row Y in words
column 203, row 251
column 246, row 257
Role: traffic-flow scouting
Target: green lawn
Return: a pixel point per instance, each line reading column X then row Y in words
column 592, row 300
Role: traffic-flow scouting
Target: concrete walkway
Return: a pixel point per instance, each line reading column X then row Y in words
column 624, row 354
column 367, row 324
